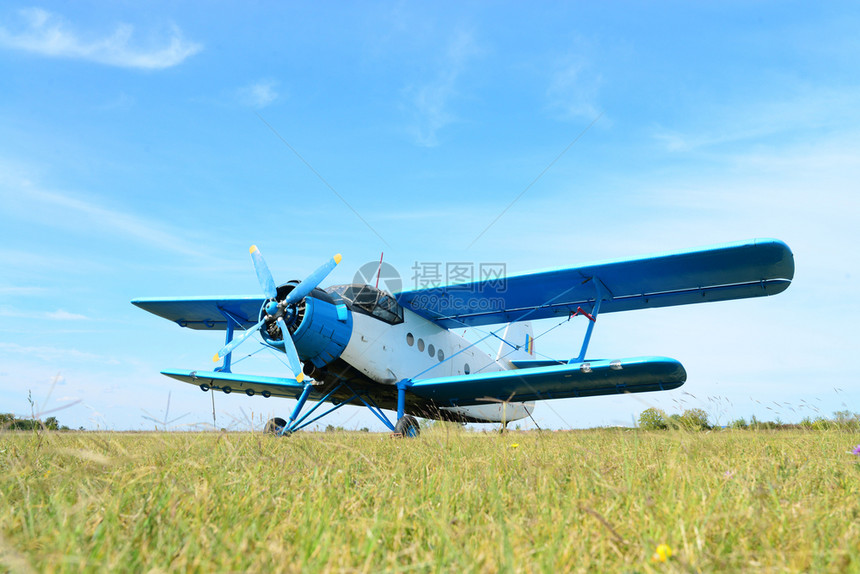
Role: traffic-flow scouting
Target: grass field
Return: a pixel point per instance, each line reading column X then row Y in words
column 450, row 501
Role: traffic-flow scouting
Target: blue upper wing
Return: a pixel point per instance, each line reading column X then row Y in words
column 205, row 312
column 752, row 268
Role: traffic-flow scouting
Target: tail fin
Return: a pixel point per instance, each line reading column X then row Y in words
column 518, row 342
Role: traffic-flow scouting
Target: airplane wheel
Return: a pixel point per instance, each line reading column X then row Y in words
column 407, row 426
column 274, row 426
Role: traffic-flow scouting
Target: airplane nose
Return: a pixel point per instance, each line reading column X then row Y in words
column 322, row 330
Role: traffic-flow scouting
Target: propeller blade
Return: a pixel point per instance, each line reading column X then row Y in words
column 264, row 276
column 236, row 342
column 310, row 283
column 290, row 350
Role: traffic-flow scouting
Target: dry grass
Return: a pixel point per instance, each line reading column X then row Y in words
column 451, row 500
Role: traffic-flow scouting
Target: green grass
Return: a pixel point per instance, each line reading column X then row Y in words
column 448, row 501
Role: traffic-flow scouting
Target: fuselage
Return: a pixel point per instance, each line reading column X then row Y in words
column 382, row 343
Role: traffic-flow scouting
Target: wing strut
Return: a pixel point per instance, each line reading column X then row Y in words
column 600, row 294
column 225, row 366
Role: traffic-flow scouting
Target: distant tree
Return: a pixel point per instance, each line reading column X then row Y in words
column 25, row 424
column 739, row 424
column 652, row 419
column 846, row 419
column 695, row 419
column 761, row 425
column 8, row 421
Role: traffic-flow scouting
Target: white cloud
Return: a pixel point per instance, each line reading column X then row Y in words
column 431, row 101
column 21, row 291
column 260, row 94
column 58, row 315
column 55, row 354
column 63, row 315
column 23, row 195
column 47, row 34
column 804, row 111
column 573, row 88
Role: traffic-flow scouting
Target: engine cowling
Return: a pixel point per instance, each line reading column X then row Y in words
column 321, row 327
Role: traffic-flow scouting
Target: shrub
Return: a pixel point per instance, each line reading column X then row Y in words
column 652, row 419
column 695, row 419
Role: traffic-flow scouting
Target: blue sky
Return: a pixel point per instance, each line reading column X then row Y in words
column 143, row 148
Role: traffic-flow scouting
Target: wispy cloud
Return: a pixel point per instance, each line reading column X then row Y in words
column 16, row 290
column 58, row 315
column 63, row 315
column 800, row 111
column 46, row 353
column 573, row 88
column 89, row 215
column 259, row 94
column 45, row 33
column 431, row 101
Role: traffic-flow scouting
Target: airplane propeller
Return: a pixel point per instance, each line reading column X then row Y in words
column 280, row 311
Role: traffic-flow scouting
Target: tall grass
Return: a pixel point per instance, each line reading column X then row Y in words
column 449, row 500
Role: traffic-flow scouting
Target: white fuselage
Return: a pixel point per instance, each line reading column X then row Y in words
column 419, row 349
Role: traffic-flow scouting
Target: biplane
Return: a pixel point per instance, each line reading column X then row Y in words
column 357, row 344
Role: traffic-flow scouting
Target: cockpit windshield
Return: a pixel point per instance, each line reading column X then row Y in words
column 370, row 301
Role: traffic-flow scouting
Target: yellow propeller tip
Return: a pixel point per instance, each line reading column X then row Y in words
column 337, row 258
column 252, row 249
column 300, row 378
column 216, row 358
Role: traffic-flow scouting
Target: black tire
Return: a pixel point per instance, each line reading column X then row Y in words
column 407, row 426
column 274, row 426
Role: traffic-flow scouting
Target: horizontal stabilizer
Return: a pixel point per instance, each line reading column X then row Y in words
column 236, row 383
column 558, row 381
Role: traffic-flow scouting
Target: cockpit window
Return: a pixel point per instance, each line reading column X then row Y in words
column 370, row 301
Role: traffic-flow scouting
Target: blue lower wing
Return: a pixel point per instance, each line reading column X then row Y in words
column 236, row 383
column 557, row 381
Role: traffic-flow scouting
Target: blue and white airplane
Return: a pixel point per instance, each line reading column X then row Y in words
column 359, row 345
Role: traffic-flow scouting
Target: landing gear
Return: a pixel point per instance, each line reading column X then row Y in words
column 407, row 426
column 274, row 426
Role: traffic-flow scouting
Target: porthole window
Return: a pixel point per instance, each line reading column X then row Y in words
column 410, row 340
column 431, row 349
column 466, row 369
column 421, row 345
column 440, row 355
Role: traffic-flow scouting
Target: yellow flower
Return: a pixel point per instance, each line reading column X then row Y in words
column 663, row 553
column 515, row 445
